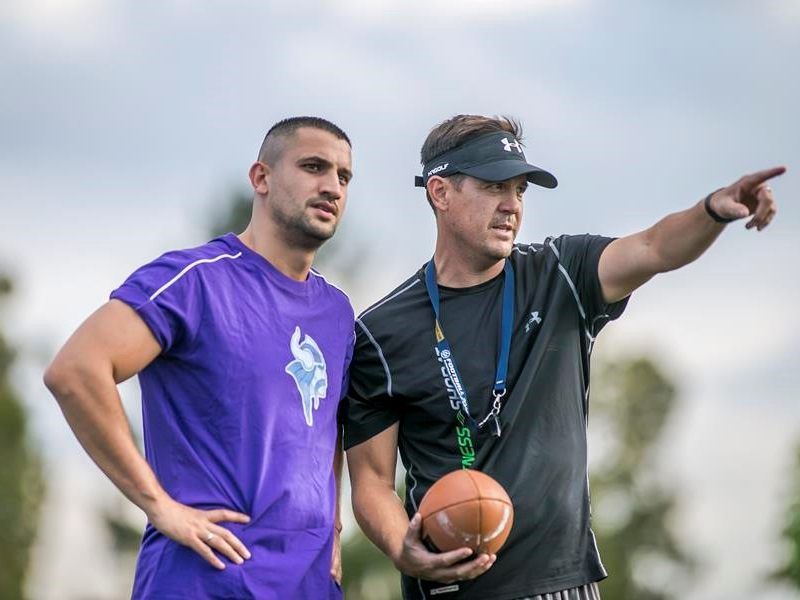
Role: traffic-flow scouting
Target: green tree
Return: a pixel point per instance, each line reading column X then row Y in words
column 234, row 214
column 632, row 503
column 21, row 481
column 367, row 573
column 789, row 572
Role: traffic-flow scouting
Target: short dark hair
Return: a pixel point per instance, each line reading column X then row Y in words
column 456, row 130
column 272, row 146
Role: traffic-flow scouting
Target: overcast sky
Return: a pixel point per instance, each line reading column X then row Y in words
column 125, row 125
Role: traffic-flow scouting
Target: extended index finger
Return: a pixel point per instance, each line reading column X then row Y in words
column 223, row 514
column 755, row 179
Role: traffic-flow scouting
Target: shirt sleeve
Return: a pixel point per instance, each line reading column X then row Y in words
column 579, row 255
column 163, row 294
column 368, row 407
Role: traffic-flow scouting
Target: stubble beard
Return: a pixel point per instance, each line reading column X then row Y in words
column 486, row 252
column 500, row 249
column 300, row 231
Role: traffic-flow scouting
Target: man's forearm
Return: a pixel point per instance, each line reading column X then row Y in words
column 673, row 242
column 682, row 237
column 92, row 407
column 380, row 513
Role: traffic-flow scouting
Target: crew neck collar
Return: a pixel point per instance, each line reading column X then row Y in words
column 256, row 259
column 454, row 291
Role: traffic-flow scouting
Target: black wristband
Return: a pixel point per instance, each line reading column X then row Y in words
column 711, row 212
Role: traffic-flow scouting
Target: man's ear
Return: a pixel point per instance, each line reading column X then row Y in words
column 437, row 190
column 259, row 177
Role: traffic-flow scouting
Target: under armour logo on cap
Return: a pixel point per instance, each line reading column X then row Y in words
column 488, row 157
column 507, row 146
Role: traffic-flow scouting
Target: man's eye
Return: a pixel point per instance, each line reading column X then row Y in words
column 343, row 180
column 311, row 167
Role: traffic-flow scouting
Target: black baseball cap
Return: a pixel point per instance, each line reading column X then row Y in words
column 491, row 157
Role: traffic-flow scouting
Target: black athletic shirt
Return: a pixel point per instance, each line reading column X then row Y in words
column 540, row 458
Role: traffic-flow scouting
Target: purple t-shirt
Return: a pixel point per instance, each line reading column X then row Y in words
column 240, row 413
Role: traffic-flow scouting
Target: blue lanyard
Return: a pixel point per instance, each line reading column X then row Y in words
column 446, row 354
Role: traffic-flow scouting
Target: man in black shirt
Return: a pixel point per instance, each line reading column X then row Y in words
column 481, row 360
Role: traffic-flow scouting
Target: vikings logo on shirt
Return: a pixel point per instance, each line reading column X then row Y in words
column 309, row 372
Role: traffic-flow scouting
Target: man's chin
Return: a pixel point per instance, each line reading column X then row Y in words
column 315, row 235
column 500, row 251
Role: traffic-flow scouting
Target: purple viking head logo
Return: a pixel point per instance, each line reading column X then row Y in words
column 309, row 373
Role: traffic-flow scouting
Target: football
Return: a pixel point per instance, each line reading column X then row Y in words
column 466, row 508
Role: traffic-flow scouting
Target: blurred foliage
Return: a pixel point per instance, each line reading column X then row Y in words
column 124, row 531
column 367, row 574
column 789, row 572
column 21, row 480
column 125, row 537
column 632, row 504
column 234, row 215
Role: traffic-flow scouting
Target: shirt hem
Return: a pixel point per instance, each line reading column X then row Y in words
column 547, row 586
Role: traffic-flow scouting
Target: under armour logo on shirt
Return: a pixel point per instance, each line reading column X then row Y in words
column 507, row 146
column 534, row 319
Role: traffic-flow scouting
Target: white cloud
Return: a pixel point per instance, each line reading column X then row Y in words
column 710, row 328
column 784, row 12
column 449, row 10
column 62, row 25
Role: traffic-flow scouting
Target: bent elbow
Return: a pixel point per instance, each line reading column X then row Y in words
column 54, row 377
column 61, row 379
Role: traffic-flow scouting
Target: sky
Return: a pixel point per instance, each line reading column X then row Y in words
column 124, row 126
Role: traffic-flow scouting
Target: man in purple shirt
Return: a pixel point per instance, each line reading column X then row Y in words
column 242, row 353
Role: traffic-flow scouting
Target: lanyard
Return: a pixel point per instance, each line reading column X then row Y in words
column 446, row 354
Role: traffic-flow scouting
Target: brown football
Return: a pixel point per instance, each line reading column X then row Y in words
column 466, row 508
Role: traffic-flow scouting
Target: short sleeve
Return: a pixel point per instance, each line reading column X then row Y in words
column 162, row 293
column 368, row 407
column 579, row 255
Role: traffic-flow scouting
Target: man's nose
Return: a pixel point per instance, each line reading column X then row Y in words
column 511, row 203
column 331, row 186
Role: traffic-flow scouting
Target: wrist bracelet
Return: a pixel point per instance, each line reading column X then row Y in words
column 711, row 212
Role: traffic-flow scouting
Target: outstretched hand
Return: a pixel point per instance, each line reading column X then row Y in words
column 751, row 196
column 446, row 567
column 198, row 530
